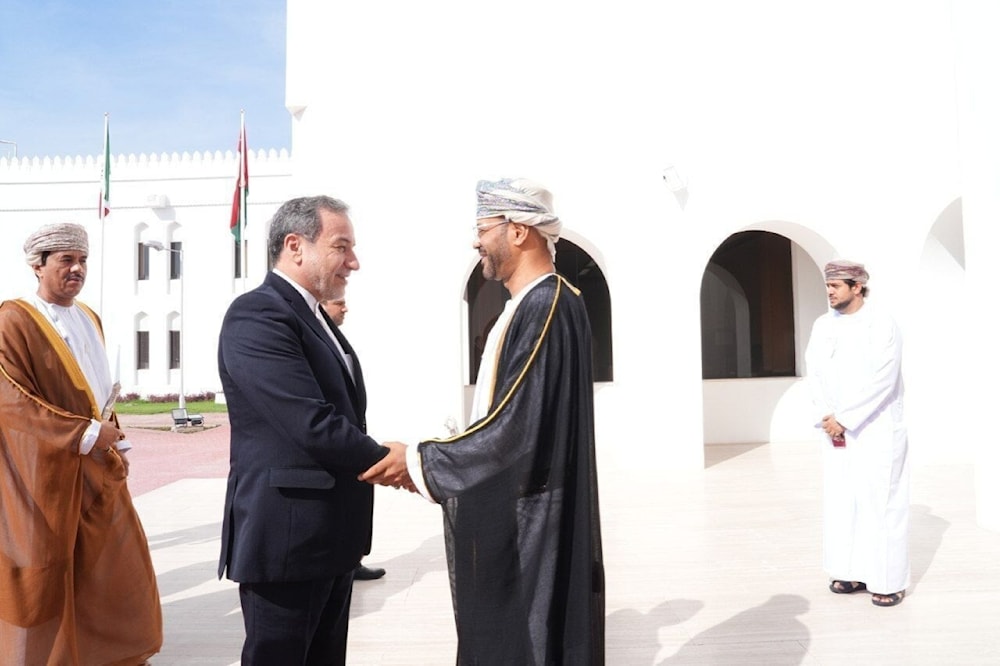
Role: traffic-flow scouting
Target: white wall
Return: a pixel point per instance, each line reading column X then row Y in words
column 826, row 118
column 976, row 27
column 836, row 125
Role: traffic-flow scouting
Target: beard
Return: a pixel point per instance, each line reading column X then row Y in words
column 493, row 260
column 329, row 288
column 842, row 305
column 325, row 286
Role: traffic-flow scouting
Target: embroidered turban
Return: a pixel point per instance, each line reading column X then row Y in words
column 521, row 201
column 55, row 238
column 842, row 269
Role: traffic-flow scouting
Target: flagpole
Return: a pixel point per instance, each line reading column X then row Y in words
column 238, row 216
column 105, row 197
column 243, row 198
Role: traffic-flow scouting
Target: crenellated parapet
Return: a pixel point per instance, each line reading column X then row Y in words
column 142, row 166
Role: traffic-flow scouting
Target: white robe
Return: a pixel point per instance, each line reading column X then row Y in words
column 483, row 396
column 853, row 365
column 86, row 343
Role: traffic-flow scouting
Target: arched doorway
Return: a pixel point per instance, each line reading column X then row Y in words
column 486, row 299
column 747, row 311
column 761, row 291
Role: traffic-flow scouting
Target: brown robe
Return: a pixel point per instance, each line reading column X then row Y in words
column 76, row 580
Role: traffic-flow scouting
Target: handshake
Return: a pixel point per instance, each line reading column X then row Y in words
column 391, row 470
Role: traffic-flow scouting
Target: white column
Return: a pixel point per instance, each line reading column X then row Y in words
column 978, row 92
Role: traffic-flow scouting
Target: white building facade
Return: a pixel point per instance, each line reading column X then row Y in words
column 706, row 158
column 854, row 129
column 160, row 309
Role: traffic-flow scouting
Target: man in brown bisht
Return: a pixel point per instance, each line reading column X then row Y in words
column 76, row 580
column 518, row 487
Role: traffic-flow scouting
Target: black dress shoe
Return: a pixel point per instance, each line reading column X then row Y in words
column 361, row 572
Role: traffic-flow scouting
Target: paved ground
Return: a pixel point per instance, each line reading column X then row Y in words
column 719, row 566
column 164, row 456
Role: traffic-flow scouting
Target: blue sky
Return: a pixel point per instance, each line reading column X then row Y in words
column 172, row 74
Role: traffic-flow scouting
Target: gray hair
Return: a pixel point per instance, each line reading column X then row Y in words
column 300, row 216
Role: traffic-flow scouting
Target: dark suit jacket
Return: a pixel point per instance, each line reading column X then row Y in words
column 295, row 510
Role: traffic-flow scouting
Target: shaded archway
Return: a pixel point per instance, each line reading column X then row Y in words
column 725, row 325
column 486, row 299
column 757, row 266
column 761, row 291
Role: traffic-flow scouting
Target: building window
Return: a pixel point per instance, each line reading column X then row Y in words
column 175, row 260
column 142, row 271
column 142, row 350
column 747, row 311
column 175, row 350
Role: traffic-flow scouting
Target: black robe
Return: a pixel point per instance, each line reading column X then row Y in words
column 519, row 495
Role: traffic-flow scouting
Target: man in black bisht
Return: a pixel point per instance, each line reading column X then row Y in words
column 519, row 487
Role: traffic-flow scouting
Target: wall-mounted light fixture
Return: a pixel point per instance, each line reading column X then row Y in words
column 676, row 184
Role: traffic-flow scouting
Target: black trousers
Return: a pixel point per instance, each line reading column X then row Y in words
column 296, row 623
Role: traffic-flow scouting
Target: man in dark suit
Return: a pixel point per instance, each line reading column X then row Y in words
column 297, row 520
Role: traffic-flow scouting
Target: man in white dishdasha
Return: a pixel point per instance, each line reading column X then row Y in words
column 854, row 361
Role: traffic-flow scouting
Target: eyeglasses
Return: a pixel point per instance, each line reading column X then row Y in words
column 481, row 229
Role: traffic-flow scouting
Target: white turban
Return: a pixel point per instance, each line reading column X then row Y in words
column 842, row 269
column 521, row 201
column 55, row 238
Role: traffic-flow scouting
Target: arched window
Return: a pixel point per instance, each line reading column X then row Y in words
column 486, row 299
column 747, row 313
column 174, row 325
column 141, row 233
column 141, row 341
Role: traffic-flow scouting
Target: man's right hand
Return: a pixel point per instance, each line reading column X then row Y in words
column 108, row 437
column 391, row 470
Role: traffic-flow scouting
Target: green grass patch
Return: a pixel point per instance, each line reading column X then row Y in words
column 143, row 407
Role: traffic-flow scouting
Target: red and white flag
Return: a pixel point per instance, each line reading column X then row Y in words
column 238, row 219
column 104, row 204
